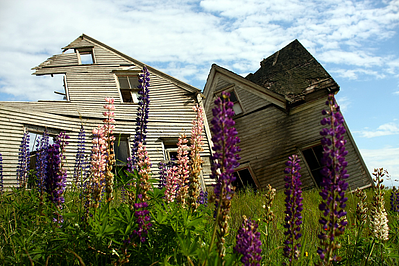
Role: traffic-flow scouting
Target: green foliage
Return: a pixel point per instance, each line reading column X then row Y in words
column 178, row 236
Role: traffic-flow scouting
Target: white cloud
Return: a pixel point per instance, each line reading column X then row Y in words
column 188, row 36
column 387, row 158
column 383, row 130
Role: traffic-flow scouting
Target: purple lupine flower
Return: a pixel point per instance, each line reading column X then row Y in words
column 203, row 198
column 394, row 200
column 1, row 174
column 143, row 220
column 42, row 161
column 333, row 183
column 163, row 172
column 142, row 116
column 80, row 169
column 224, row 160
column 294, row 207
column 23, row 160
column 56, row 173
column 248, row 243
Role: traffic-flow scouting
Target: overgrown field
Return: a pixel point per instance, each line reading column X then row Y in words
column 177, row 237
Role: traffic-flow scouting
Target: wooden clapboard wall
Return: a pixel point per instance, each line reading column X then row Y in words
column 270, row 132
column 86, row 87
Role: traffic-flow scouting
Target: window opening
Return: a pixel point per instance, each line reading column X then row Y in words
column 128, row 88
column 243, row 179
column 233, row 98
column 85, row 56
column 121, row 150
column 313, row 158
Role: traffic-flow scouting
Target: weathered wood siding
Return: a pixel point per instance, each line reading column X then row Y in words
column 269, row 135
column 87, row 85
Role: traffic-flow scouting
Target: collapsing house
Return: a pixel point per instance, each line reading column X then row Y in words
column 277, row 113
column 91, row 72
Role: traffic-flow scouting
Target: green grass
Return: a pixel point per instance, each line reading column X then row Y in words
column 29, row 237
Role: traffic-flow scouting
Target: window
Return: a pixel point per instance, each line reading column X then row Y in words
column 85, row 56
column 121, row 149
column 128, row 88
column 170, row 149
column 313, row 157
column 237, row 106
column 65, row 89
column 244, row 178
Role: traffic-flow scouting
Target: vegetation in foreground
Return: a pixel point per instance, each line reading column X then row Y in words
column 114, row 217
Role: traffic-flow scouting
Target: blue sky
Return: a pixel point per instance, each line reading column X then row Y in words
column 357, row 42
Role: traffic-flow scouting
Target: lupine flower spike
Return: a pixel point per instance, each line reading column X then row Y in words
column 248, row 243
column 182, row 169
column 224, row 161
column 333, row 184
column 294, row 207
column 268, row 202
column 378, row 215
column 394, row 200
column 109, row 127
column 142, row 116
column 98, row 165
column 361, row 208
column 196, row 161
column 56, row 173
column 42, row 162
column 23, row 160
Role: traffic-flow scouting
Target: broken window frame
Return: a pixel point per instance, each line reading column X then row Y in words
column 237, row 102
column 131, row 88
column 246, row 166
column 85, row 51
column 314, row 172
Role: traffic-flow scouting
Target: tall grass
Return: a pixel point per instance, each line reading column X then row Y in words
column 28, row 238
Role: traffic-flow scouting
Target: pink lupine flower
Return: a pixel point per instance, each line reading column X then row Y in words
column 196, row 161
column 144, row 170
column 182, row 169
column 98, row 163
column 172, row 182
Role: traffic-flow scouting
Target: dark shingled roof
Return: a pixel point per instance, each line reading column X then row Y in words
column 293, row 72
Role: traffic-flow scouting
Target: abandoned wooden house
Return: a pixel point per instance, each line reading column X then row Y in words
column 91, row 72
column 277, row 113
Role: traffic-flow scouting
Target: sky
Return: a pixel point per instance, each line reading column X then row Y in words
column 357, row 42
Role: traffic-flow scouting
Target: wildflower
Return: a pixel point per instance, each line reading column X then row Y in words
column 23, row 160
column 361, row 207
column 203, row 198
column 108, row 128
column 196, row 161
column 182, row 169
column 80, row 163
column 142, row 116
column 42, row 161
column 394, row 200
column 224, row 160
column 333, row 183
column 98, row 165
column 248, row 242
column 378, row 217
column 56, row 173
column 144, row 172
column 143, row 220
column 293, row 204
column 267, row 206
column 172, row 183
column 163, row 173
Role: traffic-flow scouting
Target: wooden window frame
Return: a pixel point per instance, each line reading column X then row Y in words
column 229, row 89
column 131, row 87
column 316, row 180
column 85, row 51
column 251, row 172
